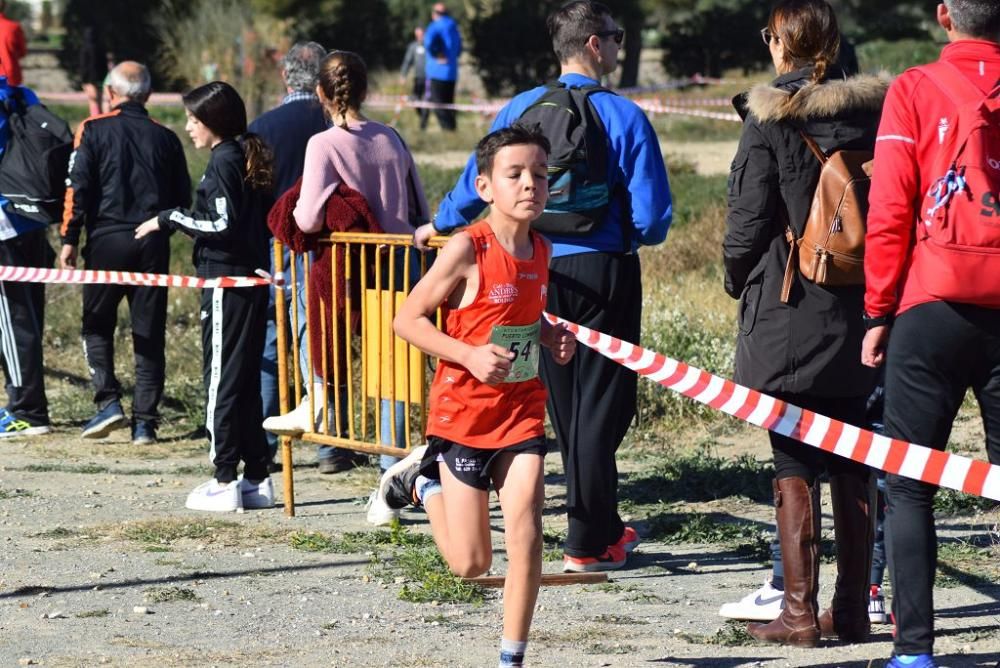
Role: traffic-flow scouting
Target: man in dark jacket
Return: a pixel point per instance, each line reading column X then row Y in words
column 23, row 243
column 125, row 169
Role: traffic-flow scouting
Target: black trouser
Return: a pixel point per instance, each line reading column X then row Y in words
column 443, row 92
column 592, row 399
column 120, row 251
column 22, row 321
column 232, row 338
column 794, row 459
column 419, row 93
column 936, row 352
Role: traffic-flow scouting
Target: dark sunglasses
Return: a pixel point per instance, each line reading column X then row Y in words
column 767, row 36
column 618, row 35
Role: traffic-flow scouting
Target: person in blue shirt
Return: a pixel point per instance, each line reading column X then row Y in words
column 443, row 46
column 23, row 243
column 595, row 280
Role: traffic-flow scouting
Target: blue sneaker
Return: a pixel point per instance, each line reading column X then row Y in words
column 108, row 419
column 143, row 432
column 11, row 425
column 919, row 661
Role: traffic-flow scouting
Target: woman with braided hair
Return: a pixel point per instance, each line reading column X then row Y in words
column 367, row 157
column 801, row 345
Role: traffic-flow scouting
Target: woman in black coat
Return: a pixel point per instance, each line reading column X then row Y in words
column 806, row 350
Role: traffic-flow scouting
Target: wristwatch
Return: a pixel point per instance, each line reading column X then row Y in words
column 872, row 322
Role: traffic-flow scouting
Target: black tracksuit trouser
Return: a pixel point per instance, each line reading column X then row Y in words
column 443, row 92
column 592, row 399
column 22, row 321
column 120, row 251
column 936, row 352
column 232, row 335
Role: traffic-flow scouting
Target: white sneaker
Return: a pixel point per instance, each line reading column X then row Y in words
column 294, row 423
column 763, row 605
column 216, row 497
column 258, row 494
column 876, row 606
column 379, row 514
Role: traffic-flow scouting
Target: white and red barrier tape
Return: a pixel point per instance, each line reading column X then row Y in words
column 881, row 452
column 100, row 277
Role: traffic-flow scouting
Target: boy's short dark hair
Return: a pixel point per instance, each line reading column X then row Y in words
column 571, row 26
column 515, row 135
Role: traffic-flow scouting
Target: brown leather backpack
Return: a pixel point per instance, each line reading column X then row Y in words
column 831, row 250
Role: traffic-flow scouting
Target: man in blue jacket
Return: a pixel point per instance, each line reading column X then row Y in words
column 22, row 307
column 443, row 44
column 594, row 281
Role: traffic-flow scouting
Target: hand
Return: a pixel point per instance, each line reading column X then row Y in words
column 67, row 257
column 489, row 363
column 873, row 346
column 561, row 343
column 422, row 235
column 148, row 227
column 441, row 59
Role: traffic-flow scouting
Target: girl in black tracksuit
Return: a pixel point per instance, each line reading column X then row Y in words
column 228, row 224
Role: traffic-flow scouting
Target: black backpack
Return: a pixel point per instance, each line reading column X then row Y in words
column 35, row 163
column 579, row 192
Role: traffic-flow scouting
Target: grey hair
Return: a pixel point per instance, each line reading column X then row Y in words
column 301, row 66
column 975, row 18
column 134, row 85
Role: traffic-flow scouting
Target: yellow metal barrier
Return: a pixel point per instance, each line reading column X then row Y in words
column 378, row 380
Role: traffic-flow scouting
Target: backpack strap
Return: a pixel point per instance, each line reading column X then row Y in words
column 952, row 81
column 814, row 147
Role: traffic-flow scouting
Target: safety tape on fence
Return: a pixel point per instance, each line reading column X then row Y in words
column 101, row 277
column 656, row 107
column 881, row 452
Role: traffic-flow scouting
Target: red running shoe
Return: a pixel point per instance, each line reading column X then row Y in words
column 629, row 540
column 614, row 557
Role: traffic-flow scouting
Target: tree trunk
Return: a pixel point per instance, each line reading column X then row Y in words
column 633, row 50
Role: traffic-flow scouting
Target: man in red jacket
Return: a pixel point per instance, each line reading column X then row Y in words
column 938, row 348
column 13, row 47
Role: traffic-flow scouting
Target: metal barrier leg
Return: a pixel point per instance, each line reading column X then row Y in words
column 285, row 443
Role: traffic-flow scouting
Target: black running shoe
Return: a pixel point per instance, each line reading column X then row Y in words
column 395, row 489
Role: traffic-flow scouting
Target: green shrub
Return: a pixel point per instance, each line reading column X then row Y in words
column 895, row 57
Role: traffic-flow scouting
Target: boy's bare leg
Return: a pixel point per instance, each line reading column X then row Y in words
column 460, row 522
column 519, row 479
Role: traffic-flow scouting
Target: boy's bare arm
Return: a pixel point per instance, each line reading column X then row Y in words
column 448, row 279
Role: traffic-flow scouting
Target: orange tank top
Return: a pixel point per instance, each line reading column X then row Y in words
column 509, row 302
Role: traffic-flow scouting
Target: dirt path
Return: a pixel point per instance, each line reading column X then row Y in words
column 92, row 534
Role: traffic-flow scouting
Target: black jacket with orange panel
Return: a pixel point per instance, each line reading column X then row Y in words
column 124, row 170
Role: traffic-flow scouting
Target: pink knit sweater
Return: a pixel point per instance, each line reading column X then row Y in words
column 369, row 158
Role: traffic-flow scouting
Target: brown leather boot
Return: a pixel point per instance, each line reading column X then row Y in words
column 798, row 524
column 854, row 531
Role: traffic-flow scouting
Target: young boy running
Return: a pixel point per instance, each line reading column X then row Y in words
column 487, row 404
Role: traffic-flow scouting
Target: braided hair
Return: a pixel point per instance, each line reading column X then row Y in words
column 343, row 80
column 809, row 32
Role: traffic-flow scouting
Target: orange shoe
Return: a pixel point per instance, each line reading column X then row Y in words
column 614, row 557
column 629, row 540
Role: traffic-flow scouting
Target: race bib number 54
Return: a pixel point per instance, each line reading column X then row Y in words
column 523, row 342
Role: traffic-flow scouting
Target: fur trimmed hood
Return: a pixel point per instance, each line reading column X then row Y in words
column 831, row 98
